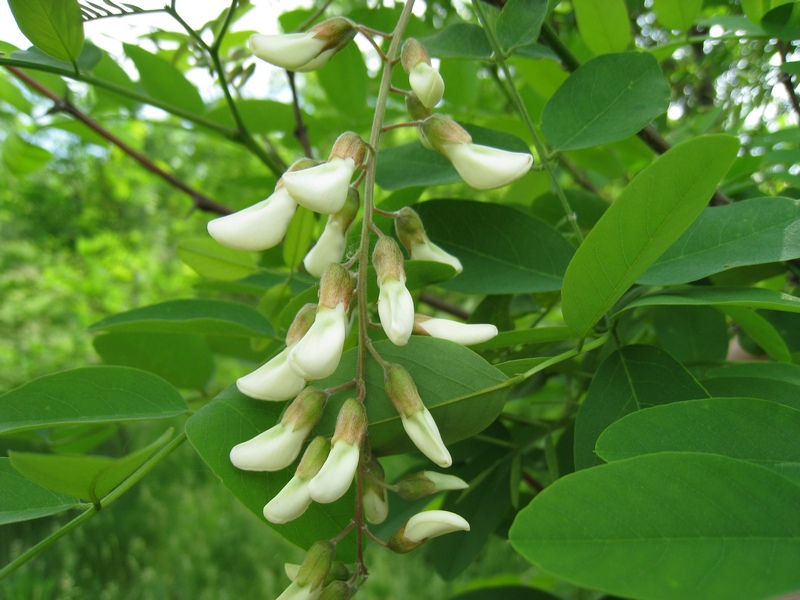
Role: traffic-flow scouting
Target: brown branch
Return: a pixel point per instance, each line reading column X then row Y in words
column 786, row 79
column 300, row 130
column 439, row 304
column 200, row 201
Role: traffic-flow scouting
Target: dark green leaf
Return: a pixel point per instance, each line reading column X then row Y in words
column 761, row 331
column 588, row 209
column 519, row 22
column 211, row 317
column 539, row 335
column 677, row 14
column 720, row 296
column 460, row 40
column 505, row 592
column 22, row 499
column 758, row 431
column 89, row 395
column 778, row 382
column 345, row 82
column 783, row 22
column 209, row 258
column 163, row 81
column 607, row 99
column 53, row 26
column 629, row 380
column 641, row 224
column 668, row 526
column 692, row 334
column 604, row 25
column 756, row 231
column 503, row 251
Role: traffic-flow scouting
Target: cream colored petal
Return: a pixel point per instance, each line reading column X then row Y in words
column 461, row 333
column 323, row 188
column 257, row 227
column 430, row 251
column 328, row 249
column 422, row 430
column 433, row 523
column 318, row 353
column 396, row 310
column 273, row 381
column 427, row 84
column 487, row 168
column 272, row 450
column 336, row 475
column 289, row 51
column 291, row 502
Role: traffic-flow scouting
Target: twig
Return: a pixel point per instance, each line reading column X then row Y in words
column 200, row 201
column 786, row 79
column 300, row 130
column 442, row 305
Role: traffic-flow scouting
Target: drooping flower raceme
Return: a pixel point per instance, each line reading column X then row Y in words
column 278, row 447
column 294, row 499
column 336, row 475
column 395, row 304
column 426, row 82
column 411, row 234
column 331, row 245
column 424, row 526
column 481, row 167
column 304, row 51
column 414, row 415
column 461, row 333
column 324, row 188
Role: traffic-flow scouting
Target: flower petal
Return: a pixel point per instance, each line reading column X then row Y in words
column 461, row 333
column 427, row 84
column 318, row 353
column 336, row 475
column 487, row 168
column 396, row 310
column 256, row 227
column 289, row 51
column 323, row 188
column 273, row 381
column 422, row 430
column 430, row 251
column 272, row 450
column 328, row 249
column 433, row 523
column 291, row 502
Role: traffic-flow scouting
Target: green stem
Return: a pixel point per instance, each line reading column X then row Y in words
column 107, row 500
column 491, row 35
column 565, row 356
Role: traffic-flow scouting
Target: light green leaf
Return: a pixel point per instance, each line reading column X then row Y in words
column 677, row 14
column 21, row 499
column 603, row 24
column 502, row 250
column 21, row 157
column 783, row 21
column 720, row 296
column 607, row 99
column 53, row 26
column 629, row 380
column 81, row 476
column 209, row 258
column 299, row 236
column 758, row 431
column 460, row 40
column 89, row 395
column 12, row 95
column 210, row 317
column 259, row 116
column 667, row 526
column 750, row 232
column 519, row 22
column 646, row 218
column 345, row 82
column 761, row 331
column 163, row 81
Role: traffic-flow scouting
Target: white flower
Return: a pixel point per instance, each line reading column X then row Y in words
column 484, row 167
column 444, row 482
column 322, row 188
column 336, row 475
column 427, row 250
column 433, row 523
column 328, row 249
column 257, row 227
column 291, row 502
column 461, row 333
column 422, row 430
column 427, row 84
column 318, row 353
column 272, row 450
column 275, row 380
column 291, row 51
column 396, row 309
column 376, row 506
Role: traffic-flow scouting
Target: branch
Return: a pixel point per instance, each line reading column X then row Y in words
column 300, row 130
column 442, row 305
column 786, row 79
column 199, row 200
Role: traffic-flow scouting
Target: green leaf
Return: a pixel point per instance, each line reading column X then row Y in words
column 53, row 26
column 89, row 395
column 646, row 218
column 588, row 209
column 667, row 526
column 777, row 382
column 163, row 81
column 720, row 296
column 463, row 392
column 629, row 380
column 210, row 317
column 758, row 431
column 81, row 476
column 519, row 22
column 783, row 22
column 539, row 335
column 185, row 360
column 21, row 499
column 345, row 82
column 603, row 24
column 692, row 334
column 750, row 232
column 607, row 99
column 678, row 15
column 761, row 331
column 259, row 116
column 109, row 70
column 502, row 250
column 299, row 236
column 209, row 258
column 505, row 592
column 12, row 95
column 21, row 157
column 460, row 40
column 232, row 418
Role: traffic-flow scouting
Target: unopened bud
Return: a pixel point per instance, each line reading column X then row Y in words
column 338, row 590
column 441, row 131
column 416, row 109
column 306, row 410
column 412, row 54
column 313, row 458
column 337, row 32
column 316, row 564
column 409, row 228
column 376, row 504
column 303, row 321
column 402, row 390
column 351, row 423
column 425, row 483
column 335, row 287
column 388, row 260
column 349, row 145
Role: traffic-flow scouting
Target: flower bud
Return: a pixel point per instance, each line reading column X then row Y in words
column 460, row 333
column 481, row 167
column 418, row 111
column 395, row 304
column 278, row 447
column 302, row 322
column 425, row 483
column 349, row 145
column 332, row 243
column 294, row 499
column 376, row 503
column 424, row 526
column 411, row 234
column 275, row 380
column 317, row 355
column 334, row 479
column 257, row 227
column 304, row 51
column 316, row 564
column 335, row 287
column 415, row 417
column 425, row 81
column 338, row 590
